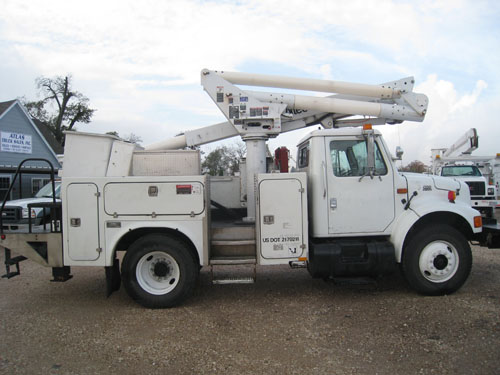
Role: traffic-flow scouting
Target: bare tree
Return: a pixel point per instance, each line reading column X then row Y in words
column 61, row 107
column 132, row 138
column 415, row 166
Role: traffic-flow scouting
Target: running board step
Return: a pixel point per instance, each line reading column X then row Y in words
column 233, row 242
column 232, row 261
column 234, row 280
column 237, row 265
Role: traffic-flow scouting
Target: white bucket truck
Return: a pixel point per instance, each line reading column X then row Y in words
column 457, row 162
column 347, row 212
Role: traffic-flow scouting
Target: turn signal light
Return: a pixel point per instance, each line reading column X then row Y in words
column 478, row 221
column 451, row 196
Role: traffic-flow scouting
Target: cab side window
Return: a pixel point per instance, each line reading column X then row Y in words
column 303, row 156
column 349, row 158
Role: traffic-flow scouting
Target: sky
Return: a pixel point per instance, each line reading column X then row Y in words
column 139, row 63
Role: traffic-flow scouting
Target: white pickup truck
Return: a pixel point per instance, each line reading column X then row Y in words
column 15, row 215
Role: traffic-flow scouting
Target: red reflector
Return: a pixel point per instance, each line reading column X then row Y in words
column 3, row 236
column 451, row 196
column 478, row 221
column 183, row 189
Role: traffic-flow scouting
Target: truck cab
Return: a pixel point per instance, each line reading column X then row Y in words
column 365, row 216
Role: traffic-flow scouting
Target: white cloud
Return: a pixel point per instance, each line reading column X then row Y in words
column 450, row 115
column 139, row 62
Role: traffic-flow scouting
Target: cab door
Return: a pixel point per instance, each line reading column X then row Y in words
column 358, row 203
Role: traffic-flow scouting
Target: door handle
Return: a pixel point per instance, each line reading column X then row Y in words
column 333, row 203
column 323, row 166
column 75, row 222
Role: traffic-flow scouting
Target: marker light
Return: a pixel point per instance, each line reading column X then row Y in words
column 478, row 221
column 438, row 157
column 402, row 191
column 451, row 196
column 367, row 127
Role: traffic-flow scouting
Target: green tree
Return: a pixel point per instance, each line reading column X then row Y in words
column 224, row 160
column 61, row 107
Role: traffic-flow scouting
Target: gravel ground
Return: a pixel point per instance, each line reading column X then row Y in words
column 286, row 323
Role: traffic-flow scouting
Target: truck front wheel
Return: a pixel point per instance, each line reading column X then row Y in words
column 158, row 271
column 437, row 260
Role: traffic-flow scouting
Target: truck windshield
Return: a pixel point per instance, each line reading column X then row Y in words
column 461, row 170
column 46, row 191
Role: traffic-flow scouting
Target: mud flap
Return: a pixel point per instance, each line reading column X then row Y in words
column 61, row 274
column 113, row 278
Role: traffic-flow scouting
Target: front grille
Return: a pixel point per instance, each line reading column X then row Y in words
column 476, row 188
column 11, row 214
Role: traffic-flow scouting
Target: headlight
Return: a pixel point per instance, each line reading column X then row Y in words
column 25, row 213
column 491, row 191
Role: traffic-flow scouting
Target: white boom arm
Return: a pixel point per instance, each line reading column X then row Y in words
column 459, row 151
column 391, row 102
column 467, row 142
column 257, row 116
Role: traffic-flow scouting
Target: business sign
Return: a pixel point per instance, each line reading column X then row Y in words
column 15, row 142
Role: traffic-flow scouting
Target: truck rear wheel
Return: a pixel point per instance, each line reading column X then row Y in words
column 437, row 260
column 158, row 271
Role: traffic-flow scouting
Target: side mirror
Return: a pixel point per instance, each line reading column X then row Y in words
column 399, row 153
column 370, row 150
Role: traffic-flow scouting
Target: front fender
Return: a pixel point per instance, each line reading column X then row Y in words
column 419, row 211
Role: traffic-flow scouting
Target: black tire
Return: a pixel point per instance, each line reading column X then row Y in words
column 159, row 271
column 437, row 260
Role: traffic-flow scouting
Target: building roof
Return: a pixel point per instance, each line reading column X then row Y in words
column 39, row 127
column 42, row 127
column 49, row 136
column 5, row 106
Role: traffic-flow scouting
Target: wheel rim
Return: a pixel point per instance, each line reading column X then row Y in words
column 157, row 273
column 439, row 261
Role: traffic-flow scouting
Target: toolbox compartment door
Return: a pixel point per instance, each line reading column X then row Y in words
column 282, row 216
column 154, row 198
column 82, row 222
